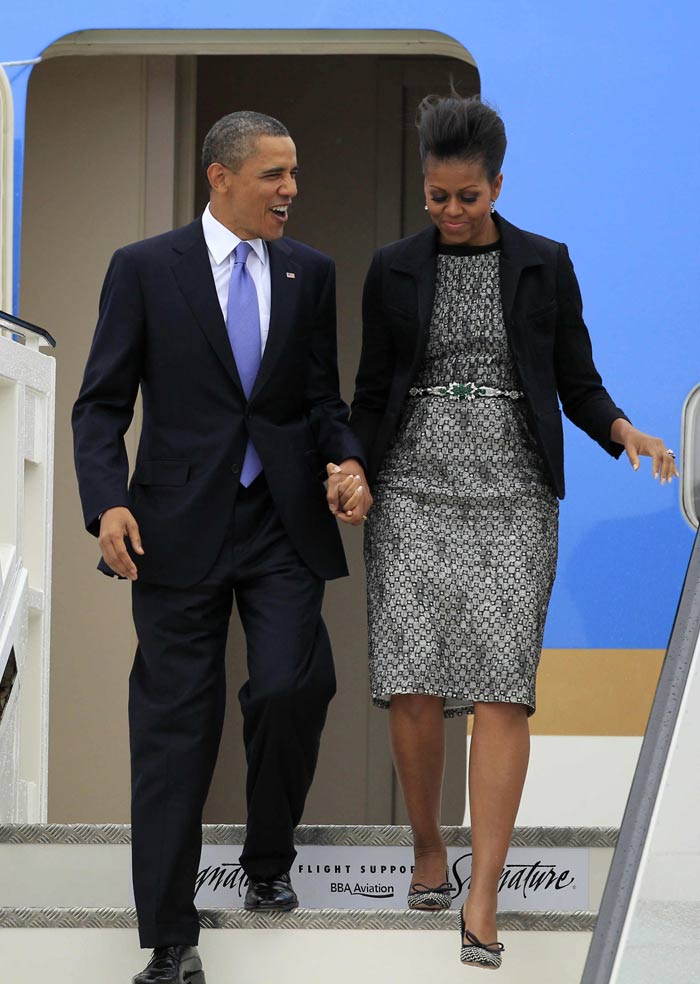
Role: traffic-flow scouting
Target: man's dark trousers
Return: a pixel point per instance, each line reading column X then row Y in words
column 176, row 708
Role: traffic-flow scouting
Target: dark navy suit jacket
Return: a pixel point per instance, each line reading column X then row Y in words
column 160, row 328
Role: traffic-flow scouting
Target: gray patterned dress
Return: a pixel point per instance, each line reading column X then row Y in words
column 461, row 544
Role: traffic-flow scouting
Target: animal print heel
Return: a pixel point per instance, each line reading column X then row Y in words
column 426, row 899
column 474, row 953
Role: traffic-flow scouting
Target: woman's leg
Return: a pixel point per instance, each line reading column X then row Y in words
column 500, row 749
column 418, row 746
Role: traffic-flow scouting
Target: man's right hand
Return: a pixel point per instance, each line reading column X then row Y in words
column 116, row 524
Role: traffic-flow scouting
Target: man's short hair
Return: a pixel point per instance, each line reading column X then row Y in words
column 231, row 140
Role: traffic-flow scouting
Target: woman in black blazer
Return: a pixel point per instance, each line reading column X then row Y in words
column 472, row 335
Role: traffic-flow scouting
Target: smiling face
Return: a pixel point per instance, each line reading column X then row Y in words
column 253, row 201
column 459, row 195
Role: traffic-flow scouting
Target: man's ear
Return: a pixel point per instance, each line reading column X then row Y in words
column 218, row 177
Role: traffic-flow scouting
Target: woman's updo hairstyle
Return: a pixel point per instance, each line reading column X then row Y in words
column 454, row 128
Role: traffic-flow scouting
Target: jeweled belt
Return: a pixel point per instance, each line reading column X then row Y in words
column 464, row 391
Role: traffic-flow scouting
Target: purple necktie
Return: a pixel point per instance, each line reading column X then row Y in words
column 243, row 327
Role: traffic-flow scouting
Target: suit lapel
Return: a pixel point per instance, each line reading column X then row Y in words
column 192, row 271
column 284, row 294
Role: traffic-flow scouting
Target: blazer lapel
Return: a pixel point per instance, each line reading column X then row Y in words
column 284, row 294
column 419, row 260
column 192, row 271
column 516, row 254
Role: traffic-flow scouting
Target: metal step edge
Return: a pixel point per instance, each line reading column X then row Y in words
column 377, row 919
column 327, row 835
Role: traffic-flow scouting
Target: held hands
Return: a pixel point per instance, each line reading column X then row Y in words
column 348, row 496
column 116, row 524
column 636, row 443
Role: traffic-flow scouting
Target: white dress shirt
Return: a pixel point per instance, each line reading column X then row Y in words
column 221, row 243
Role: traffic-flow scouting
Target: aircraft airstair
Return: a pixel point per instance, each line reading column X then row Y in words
column 66, row 907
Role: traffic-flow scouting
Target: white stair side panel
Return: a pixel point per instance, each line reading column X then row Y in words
column 97, row 876
column 298, row 957
column 65, row 876
column 13, row 636
column 8, row 760
column 649, row 958
column 673, row 864
column 577, row 781
column 27, row 388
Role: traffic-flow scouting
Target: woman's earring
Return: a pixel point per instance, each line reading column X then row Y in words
column 493, row 206
column 425, row 207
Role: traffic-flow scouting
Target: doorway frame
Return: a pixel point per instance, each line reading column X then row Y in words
column 317, row 41
column 7, row 132
column 188, row 44
column 169, row 127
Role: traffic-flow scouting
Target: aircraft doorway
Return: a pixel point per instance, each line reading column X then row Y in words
column 112, row 156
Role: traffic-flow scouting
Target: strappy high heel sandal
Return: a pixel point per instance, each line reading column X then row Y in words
column 425, row 899
column 474, row 953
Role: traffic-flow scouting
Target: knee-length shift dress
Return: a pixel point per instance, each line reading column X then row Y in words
column 461, row 543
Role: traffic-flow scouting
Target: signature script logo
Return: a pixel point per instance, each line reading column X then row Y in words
column 527, row 879
column 227, row 875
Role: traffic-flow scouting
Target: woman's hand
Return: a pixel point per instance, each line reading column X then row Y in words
column 636, row 443
column 349, row 498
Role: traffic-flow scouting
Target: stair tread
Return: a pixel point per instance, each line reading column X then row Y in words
column 361, row 919
column 388, row 835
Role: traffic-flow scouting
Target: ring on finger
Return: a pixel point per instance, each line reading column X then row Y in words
column 670, row 453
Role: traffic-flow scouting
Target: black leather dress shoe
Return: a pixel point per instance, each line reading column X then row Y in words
column 271, row 894
column 172, row 965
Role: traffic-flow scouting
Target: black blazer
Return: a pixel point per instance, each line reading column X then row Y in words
column 160, row 328
column 548, row 339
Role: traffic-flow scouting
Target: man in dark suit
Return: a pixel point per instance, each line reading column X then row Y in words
column 229, row 331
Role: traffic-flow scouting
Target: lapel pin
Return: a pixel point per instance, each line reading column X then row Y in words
column 292, row 276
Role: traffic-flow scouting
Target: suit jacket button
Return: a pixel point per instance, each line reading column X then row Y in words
column 235, row 469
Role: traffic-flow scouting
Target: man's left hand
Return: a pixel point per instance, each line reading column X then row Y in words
column 348, row 495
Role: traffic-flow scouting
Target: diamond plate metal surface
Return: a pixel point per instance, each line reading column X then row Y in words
column 379, row 919
column 65, row 833
column 361, row 836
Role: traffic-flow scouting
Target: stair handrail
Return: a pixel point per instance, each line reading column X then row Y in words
column 25, row 332
column 616, row 905
column 689, row 485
